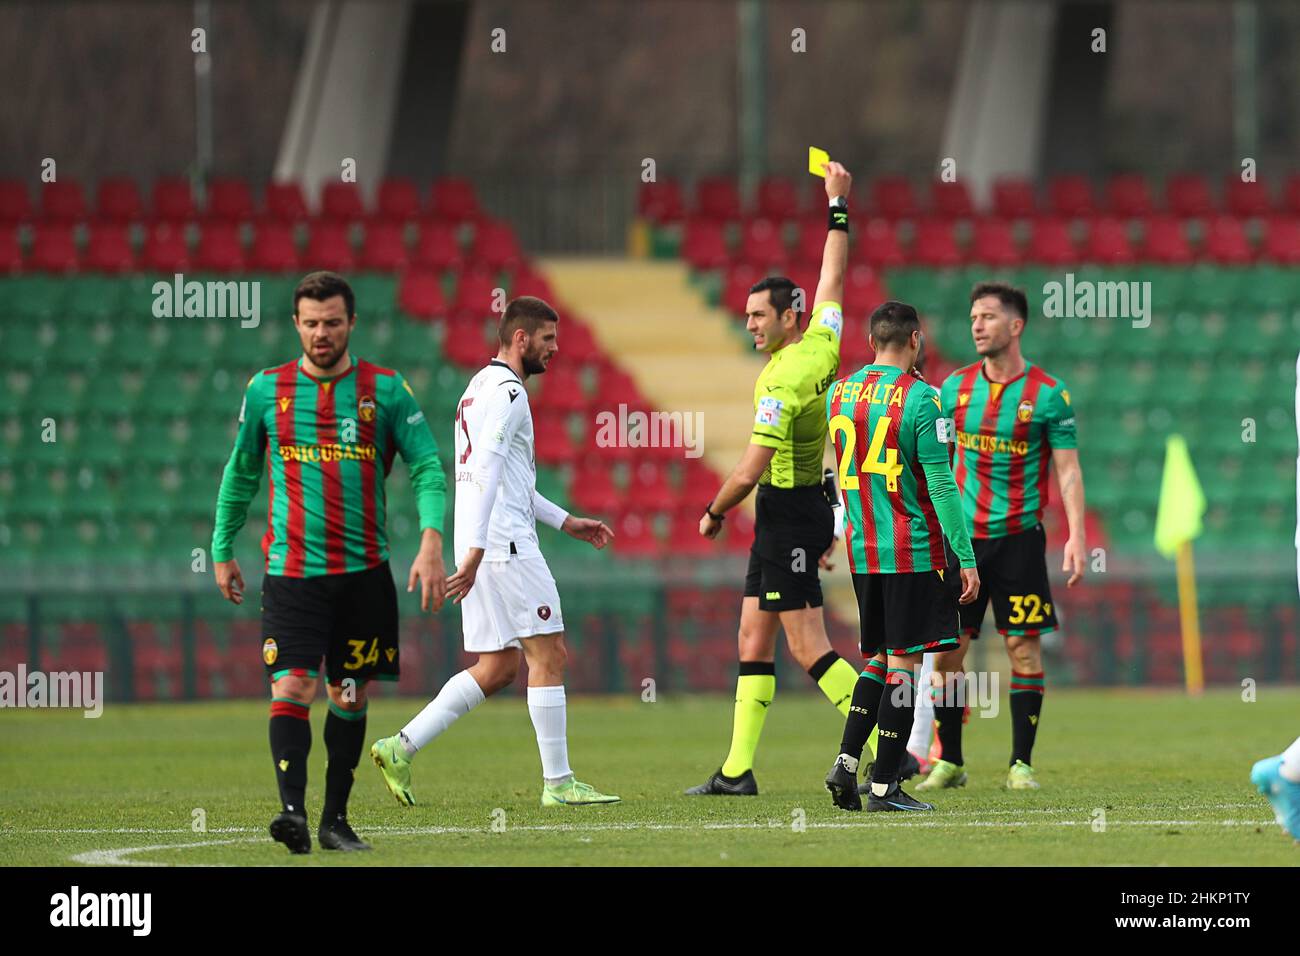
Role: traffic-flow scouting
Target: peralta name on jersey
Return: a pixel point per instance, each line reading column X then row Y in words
column 878, row 393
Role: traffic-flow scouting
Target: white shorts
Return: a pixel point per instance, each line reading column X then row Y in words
column 509, row 600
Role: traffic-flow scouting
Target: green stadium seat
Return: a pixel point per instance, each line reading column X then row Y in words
column 25, row 344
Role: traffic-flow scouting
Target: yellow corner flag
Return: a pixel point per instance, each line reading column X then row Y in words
column 1178, row 521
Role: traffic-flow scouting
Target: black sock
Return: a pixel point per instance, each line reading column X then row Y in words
column 344, row 738
column 864, row 710
column 1026, row 705
column 897, row 707
column 949, row 709
column 290, row 744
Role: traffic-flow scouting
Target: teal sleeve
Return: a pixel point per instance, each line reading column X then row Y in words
column 430, row 486
column 1061, row 430
column 239, row 484
column 947, row 505
column 410, row 429
column 932, row 436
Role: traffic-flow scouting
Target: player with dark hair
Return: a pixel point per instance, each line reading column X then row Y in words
column 330, row 425
column 794, row 521
column 510, row 607
column 1011, row 419
column 900, row 500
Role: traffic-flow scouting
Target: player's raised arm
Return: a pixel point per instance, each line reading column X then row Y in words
column 835, row 256
column 239, row 483
column 418, row 448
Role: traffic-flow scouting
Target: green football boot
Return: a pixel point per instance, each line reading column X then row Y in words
column 574, row 794
column 390, row 757
column 943, row 775
column 1021, row 777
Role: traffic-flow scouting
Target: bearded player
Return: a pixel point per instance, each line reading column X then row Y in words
column 1012, row 420
column 510, row 608
column 330, row 425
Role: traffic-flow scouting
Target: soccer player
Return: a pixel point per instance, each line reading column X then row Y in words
column 1278, row 779
column 900, row 501
column 510, row 608
column 330, row 424
column 1011, row 420
column 794, row 523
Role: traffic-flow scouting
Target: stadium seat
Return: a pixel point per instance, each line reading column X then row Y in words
column 1226, row 243
column 950, row 200
column 384, row 248
column 594, row 490
column 877, row 245
column 935, row 245
column 15, row 202
column 398, row 200
column 1127, row 196
column 554, row 445
column 329, row 245
column 1014, row 198
column 284, row 202
column 230, row 200
column 173, row 201
column 577, row 343
column 341, row 203
column 993, row 243
column 761, row 245
column 1050, row 243
column 661, row 202
column 705, row 246
column 1281, row 242
column 467, row 345
column 494, row 246
column 893, row 198
column 776, row 199
column 54, row 248
column 1288, row 206
column 1070, row 197
column 634, row 533
column 11, row 253
column 118, row 200
column 1246, row 200
column 561, row 390
column 476, row 293
column 63, row 201
column 716, row 199
column 526, row 280
column 1165, row 241
column 108, row 249
column 273, row 249
column 165, row 249
column 1108, row 242
column 219, row 249
column 1187, row 195
column 438, row 247
column 453, row 199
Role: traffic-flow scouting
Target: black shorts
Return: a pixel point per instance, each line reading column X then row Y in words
column 793, row 528
column 350, row 620
column 1013, row 572
column 908, row 612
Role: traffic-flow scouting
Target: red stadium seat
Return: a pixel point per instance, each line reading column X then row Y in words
column 420, row 295
column 634, row 534
column 776, row 199
column 11, row 253
column 934, row 245
column 1128, row 197
column 1246, row 200
column 341, row 202
column 594, row 490
column 685, row 540
column 561, row 390
column 117, row 200
column 577, row 344
column 284, row 202
column 384, row 249
column 1166, row 242
column 165, row 249
column 877, row 245
column 467, row 345
column 650, row 488
column 811, row 242
column 453, row 199
column 1070, row 196
column 219, row 249
column 108, row 249
column 173, row 201
column 54, row 248
column 15, row 202
column 495, row 246
column 705, row 246
column 554, row 445
column 892, row 197
column 735, row 290
column 1014, row 198
column 716, row 199
column 475, row 293
column 761, row 244
column 1290, row 204
column 274, row 249
column 1187, row 195
column 63, row 201
column 993, row 243
column 329, row 247
column 1226, row 243
column 661, row 202
column 862, row 287
column 1282, row 242
column 438, row 247
column 1050, row 243
column 950, row 200
column 398, row 200
column 230, row 200
column 1108, row 242
column 527, row 281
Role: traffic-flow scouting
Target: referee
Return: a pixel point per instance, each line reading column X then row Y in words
column 794, row 527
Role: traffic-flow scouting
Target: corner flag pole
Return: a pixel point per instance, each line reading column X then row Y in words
column 1178, row 522
column 1189, row 620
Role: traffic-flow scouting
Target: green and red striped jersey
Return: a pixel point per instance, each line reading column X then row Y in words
column 1004, row 435
column 885, row 426
column 329, row 445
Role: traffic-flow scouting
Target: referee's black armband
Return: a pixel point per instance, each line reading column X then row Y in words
column 839, row 219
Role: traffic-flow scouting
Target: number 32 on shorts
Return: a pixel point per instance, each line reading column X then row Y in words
column 360, row 657
column 1027, row 609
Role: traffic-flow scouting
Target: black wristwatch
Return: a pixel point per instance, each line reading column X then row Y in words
column 708, row 510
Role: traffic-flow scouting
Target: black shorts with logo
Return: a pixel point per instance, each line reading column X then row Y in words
column 350, row 620
column 907, row 612
column 1013, row 574
column 793, row 527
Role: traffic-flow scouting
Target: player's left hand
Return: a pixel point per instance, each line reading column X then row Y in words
column 427, row 568
column 1076, row 559
column 594, row 532
column 824, row 562
column 458, row 584
column 710, row 527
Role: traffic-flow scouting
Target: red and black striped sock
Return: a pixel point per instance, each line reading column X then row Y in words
column 864, row 709
column 1026, row 705
column 290, row 744
column 948, row 717
column 897, row 707
column 345, row 735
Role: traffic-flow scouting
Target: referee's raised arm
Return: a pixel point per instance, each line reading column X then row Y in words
column 835, row 256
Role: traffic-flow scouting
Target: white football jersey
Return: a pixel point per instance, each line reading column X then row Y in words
column 493, row 418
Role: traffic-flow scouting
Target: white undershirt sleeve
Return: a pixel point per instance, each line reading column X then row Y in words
column 487, row 478
column 548, row 512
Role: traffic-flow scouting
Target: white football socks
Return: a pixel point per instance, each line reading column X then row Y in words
column 547, row 708
column 457, row 698
column 1290, row 769
column 923, row 715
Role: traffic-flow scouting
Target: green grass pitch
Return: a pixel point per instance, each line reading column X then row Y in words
column 1169, row 772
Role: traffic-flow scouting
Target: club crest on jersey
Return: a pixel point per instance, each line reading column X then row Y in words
column 963, row 398
column 1026, row 410
column 366, row 408
column 544, row 612
column 270, row 650
column 284, row 404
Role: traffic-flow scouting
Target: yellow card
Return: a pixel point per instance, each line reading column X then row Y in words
column 815, row 159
